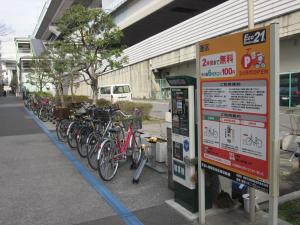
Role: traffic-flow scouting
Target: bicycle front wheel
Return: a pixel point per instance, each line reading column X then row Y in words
column 43, row 114
column 137, row 150
column 92, row 157
column 61, row 129
column 94, row 142
column 107, row 165
column 72, row 135
column 82, row 145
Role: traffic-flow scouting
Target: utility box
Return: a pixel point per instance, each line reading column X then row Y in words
column 183, row 141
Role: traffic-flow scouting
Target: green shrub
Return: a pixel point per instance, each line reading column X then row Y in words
column 81, row 98
column 103, row 102
column 77, row 99
column 128, row 107
column 42, row 94
column 290, row 211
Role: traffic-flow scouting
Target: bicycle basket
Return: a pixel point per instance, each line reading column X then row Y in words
column 101, row 114
column 61, row 113
column 135, row 120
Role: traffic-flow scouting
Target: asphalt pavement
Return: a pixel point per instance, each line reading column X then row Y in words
column 43, row 182
column 38, row 184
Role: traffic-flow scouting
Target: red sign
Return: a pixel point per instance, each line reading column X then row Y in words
column 234, row 109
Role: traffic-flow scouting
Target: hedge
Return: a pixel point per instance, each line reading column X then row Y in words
column 42, row 94
column 126, row 106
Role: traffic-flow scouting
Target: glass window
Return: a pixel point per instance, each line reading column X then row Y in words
column 24, row 47
column 105, row 90
column 121, row 89
column 290, row 89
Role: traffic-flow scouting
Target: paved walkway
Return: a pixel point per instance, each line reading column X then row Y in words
column 42, row 182
column 38, row 185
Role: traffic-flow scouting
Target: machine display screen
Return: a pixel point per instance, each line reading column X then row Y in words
column 177, row 82
column 177, row 151
column 180, row 111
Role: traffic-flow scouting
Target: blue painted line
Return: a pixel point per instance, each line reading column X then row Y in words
column 113, row 201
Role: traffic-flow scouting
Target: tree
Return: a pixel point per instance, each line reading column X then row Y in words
column 57, row 61
column 39, row 75
column 4, row 30
column 72, row 72
column 95, row 41
column 71, row 78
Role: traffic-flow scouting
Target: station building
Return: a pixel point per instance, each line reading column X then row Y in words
column 25, row 49
column 161, row 36
column 8, row 67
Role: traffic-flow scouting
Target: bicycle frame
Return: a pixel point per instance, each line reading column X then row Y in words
column 118, row 144
column 123, row 148
column 101, row 135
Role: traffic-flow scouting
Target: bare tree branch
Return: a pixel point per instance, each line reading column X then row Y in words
column 5, row 30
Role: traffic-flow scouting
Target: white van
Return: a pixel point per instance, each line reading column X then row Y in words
column 115, row 92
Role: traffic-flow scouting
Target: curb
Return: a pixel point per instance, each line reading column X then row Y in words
column 289, row 197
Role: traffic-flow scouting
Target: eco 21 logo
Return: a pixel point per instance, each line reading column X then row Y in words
column 254, row 37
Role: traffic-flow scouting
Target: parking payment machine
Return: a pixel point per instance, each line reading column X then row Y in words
column 183, row 89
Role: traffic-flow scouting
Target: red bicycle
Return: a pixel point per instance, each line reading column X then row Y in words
column 114, row 148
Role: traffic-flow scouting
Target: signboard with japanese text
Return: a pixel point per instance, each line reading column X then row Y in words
column 235, row 106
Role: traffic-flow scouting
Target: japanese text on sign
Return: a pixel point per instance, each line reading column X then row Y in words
column 218, row 65
column 242, row 96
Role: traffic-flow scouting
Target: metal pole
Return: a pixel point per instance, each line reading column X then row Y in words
column 274, row 125
column 201, row 172
column 290, row 90
column 250, row 14
column 251, row 190
column 252, row 204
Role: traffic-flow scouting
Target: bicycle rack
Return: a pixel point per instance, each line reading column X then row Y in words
column 139, row 170
column 148, row 160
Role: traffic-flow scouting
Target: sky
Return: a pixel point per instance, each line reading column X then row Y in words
column 21, row 16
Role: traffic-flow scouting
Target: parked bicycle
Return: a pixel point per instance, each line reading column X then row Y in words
column 107, row 120
column 96, row 133
column 113, row 149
